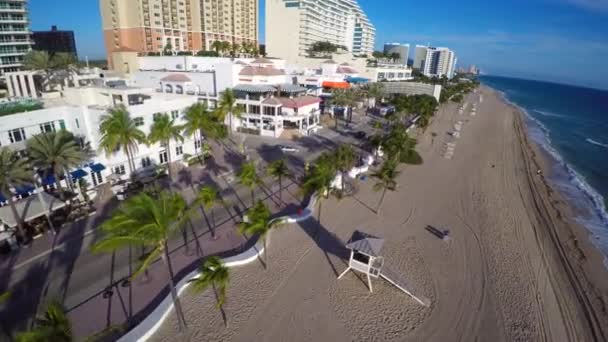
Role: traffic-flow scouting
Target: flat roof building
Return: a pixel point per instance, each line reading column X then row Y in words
column 193, row 25
column 293, row 26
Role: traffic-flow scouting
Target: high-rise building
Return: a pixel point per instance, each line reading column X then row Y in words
column 402, row 49
column 293, row 26
column 177, row 25
column 55, row 41
column 439, row 62
column 15, row 35
column 419, row 57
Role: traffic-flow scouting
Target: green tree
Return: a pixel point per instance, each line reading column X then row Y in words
column 229, row 106
column 14, row 172
column 164, row 130
column 259, row 223
column 399, row 147
column 119, row 131
column 54, row 68
column 55, row 153
column 207, row 197
column 373, row 91
column 278, row 170
column 248, row 177
column 345, row 159
column 214, row 274
column 198, row 120
column 386, row 180
column 53, row 325
column 235, row 49
column 217, row 46
column 319, row 178
column 147, row 221
column 342, row 98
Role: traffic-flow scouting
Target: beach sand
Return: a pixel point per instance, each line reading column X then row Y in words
column 516, row 268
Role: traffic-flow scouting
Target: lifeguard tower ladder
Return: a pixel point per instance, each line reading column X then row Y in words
column 365, row 258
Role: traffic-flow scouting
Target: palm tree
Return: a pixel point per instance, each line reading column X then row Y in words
column 56, row 153
column 248, row 177
column 51, row 66
column 197, row 119
column 225, row 46
column 148, row 221
column 53, row 325
column 217, row 46
column 386, row 179
column 164, row 130
column 345, row 159
column 14, row 172
column 229, row 106
column 259, row 223
column 373, row 91
column 400, row 147
column 278, row 169
column 235, row 49
column 119, row 131
column 215, row 274
column 207, row 197
column 319, row 179
column 342, row 98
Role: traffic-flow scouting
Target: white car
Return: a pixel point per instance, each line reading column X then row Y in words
column 286, row 148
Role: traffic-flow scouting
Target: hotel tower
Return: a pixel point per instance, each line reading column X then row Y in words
column 15, row 35
column 181, row 25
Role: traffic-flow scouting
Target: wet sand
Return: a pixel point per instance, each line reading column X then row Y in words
column 516, row 268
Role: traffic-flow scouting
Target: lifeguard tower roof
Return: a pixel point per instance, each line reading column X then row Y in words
column 365, row 243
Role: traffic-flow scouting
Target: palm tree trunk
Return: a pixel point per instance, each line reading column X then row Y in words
column 20, row 229
column 281, row 191
column 129, row 160
column 212, row 223
column 178, row 306
column 230, row 123
column 168, row 149
column 202, row 149
column 381, row 200
column 252, row 197
column 265, row 254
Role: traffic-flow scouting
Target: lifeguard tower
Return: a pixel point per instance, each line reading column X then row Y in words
column 365, row 257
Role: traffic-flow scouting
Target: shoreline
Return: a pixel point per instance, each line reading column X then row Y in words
column 573, row 248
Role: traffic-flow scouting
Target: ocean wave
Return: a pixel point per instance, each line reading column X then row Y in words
column 550, row 114
column 576, row 184
column 593, row 142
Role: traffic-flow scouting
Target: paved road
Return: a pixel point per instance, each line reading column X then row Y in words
column 62, row 266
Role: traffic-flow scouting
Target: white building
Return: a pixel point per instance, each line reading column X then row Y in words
column 389, row 73
column 439, row 62
column 15, row 35
column 293, row 26
column 80, row 111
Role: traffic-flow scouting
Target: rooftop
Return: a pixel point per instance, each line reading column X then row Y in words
column 261, row 71
column 298, row 102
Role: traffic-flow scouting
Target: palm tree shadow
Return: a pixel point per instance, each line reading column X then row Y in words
column 327, row 241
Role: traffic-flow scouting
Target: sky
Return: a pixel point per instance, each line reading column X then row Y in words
column 563, row 41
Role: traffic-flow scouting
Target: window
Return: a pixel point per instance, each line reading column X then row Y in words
column 381, row 75
column 174, row 114
column 47, row 127
column 16, row 135
column 162, row 157
column 119, row 169
column 197, row 144
column 139, row 121
column 179, row 150
column 269, row 110
column 145, row 162
column 77, row 123
column 254, row 109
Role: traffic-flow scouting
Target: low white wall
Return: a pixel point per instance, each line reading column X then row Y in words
column 146, row 328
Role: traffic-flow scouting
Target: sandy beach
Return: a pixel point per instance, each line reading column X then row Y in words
column 516, row 267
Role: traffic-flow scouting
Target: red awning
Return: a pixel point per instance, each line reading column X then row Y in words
column 336, row 85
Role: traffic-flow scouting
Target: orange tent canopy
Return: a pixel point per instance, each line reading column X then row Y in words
column 337, row 85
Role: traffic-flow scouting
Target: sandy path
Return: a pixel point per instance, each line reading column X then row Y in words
column 495, row 280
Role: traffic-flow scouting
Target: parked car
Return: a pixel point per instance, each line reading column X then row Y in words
column 288, row 149
column 360, row 135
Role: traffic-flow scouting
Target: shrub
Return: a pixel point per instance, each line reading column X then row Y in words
column 184, row 53
column 204, row 53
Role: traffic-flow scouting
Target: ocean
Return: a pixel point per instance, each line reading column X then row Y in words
column 571, row 124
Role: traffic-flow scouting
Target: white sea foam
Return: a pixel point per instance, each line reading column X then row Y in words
column 550, row 114
column 576, row 185
column 591, row 141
